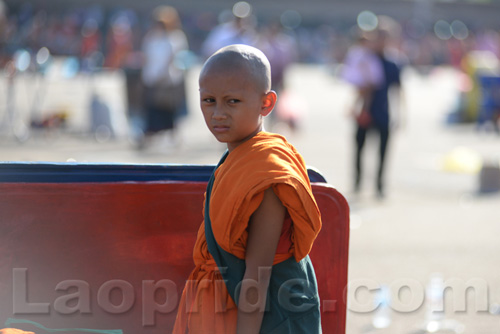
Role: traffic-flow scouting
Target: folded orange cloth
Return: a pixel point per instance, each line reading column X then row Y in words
column 13, row 331
column 266, row 160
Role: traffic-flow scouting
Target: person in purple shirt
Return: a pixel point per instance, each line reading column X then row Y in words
column 377, row 108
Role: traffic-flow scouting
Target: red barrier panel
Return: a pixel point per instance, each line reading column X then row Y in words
column 116, row 255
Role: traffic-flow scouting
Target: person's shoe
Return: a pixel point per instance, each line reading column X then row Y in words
column 357, row 186
column 380, row 194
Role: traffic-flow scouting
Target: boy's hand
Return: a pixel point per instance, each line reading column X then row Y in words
column 14, row 331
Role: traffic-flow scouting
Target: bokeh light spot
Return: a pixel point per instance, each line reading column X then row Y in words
column 22, row 60
column 442, row 29
column 290, row 19
column 242, row 9
column 42, row 56
column 459, row 30
column 367, row 21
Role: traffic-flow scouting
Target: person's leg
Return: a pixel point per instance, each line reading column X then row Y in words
column 384, row 138
column 360, row 142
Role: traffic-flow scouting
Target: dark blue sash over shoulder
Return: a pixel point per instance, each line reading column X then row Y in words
column 292, row 302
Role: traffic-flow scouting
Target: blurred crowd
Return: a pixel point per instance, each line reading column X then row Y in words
column 118, row 34
column 96, row 37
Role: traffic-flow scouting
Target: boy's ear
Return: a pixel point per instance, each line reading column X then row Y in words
column 268, row 102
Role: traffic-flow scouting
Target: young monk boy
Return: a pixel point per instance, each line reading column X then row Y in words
column 253, row 273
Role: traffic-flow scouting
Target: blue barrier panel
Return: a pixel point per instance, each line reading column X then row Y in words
column 78, row 172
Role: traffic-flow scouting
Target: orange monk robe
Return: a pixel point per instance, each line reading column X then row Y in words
column 266, row 160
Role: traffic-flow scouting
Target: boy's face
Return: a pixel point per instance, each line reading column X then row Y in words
column 232, row 105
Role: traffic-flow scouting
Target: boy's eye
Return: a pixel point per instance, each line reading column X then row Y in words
column 208, row 100
column 232, row 101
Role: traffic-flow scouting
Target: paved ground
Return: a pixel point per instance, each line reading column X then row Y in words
column 432, row 223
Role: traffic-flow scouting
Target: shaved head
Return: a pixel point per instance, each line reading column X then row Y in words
column 250, row 61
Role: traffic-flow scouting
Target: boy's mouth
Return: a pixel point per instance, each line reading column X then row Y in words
column 220, row 128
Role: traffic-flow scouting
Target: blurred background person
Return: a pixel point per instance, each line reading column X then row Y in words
column 3, row 32
column 163, row 79
column 235, row 27
column 363, row 70
column 281, row 50
column 119, row 42
column 90, row 43
column 375, row 113
column 181, row 57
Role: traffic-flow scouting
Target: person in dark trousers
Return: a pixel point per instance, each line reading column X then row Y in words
column 378, row 116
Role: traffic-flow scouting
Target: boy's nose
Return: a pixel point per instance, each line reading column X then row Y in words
column 219, row 114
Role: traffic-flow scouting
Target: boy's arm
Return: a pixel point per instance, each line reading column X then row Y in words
column 264, row 233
